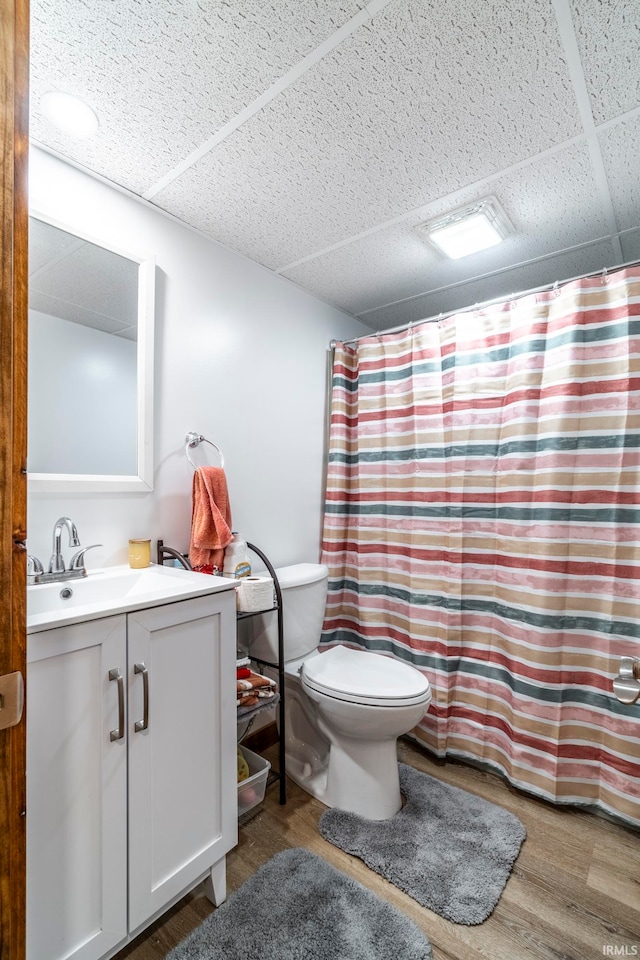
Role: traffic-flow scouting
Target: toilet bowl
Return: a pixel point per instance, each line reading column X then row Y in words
column 364, row 702
column 344, row 708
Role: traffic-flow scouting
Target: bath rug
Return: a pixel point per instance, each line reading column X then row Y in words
column 448, row 849
column 298, row 906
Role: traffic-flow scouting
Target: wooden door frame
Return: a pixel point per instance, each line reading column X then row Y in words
column 14, row 91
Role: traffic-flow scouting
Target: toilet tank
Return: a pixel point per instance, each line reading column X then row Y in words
column 304, row 596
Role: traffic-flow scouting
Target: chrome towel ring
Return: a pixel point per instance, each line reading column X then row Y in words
column 192, row 440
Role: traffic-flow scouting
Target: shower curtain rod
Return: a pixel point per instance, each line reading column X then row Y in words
column 485, row 303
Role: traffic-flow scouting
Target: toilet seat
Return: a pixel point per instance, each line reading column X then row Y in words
column 361, row 677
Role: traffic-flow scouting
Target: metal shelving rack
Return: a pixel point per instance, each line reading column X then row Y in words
column 280, row 774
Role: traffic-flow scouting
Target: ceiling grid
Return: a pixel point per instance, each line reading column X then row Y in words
column 570, row 44
column 314, row 135
column 274, row 90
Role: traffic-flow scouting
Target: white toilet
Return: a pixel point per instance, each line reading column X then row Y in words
column 344, row 709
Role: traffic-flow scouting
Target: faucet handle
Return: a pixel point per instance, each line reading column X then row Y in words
column 34, row 567
column 77, row 560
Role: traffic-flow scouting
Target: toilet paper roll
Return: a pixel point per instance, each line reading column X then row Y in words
column 254, row 593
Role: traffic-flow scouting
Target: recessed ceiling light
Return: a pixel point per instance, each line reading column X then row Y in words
column 469, row 230
column 69, row 113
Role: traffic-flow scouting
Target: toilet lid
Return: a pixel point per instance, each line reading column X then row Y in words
column 361, row 677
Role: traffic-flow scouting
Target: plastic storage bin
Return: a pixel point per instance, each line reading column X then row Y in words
column 251, row 791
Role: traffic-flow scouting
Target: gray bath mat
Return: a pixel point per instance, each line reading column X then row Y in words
column 448, row 849
column 298, row 906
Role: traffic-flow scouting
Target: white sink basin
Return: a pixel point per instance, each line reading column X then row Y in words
column 113, row 590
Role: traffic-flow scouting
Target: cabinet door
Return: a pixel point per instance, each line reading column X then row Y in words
column 76, row 792
column 182, row 780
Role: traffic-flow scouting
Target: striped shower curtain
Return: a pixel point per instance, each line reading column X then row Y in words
column 482, row 523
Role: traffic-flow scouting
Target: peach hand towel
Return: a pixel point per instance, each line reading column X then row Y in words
column 210, row 518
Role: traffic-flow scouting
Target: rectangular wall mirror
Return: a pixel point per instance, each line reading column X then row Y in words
column 91, row 319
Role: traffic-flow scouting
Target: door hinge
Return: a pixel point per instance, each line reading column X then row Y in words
column 11, row 699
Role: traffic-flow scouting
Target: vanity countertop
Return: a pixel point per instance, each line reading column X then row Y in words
column 113, row 590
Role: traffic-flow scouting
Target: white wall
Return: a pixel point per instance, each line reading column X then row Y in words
column 82, row 399
column 241, row 357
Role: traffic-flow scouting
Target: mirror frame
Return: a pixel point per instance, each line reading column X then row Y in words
column 142, row 481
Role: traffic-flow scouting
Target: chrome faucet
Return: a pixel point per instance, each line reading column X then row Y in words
column 57, row 570
column 56, row 563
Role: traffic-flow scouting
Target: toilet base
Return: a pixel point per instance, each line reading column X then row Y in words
column 362, row 781
column 363, row 778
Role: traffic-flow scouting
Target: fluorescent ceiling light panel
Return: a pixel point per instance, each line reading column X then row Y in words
column 69, row 114
column 477, row 227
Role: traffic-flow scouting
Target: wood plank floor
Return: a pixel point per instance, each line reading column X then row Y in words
column 574, row 893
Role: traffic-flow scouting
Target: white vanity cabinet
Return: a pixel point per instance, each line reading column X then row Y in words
column 76, row 792
column 131, row 771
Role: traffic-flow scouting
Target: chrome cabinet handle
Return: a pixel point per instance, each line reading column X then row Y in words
column 116, row 675
column 143, row 724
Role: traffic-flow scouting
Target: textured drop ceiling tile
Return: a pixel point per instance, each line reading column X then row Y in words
column 421, row 100
column 75, row 313
column 129, row 333
column 383, row 267
column 608, row 35
column 48, row 244
column 511, row 283
column 77, row 280
column 631, row 246
column 552, row 203
column 619, row 146
column 164, row 75
column 95, row 279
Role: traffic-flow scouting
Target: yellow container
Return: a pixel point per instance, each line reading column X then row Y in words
column 139, row 553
